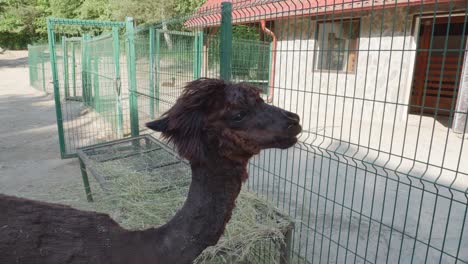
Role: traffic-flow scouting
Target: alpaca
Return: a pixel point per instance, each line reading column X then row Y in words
column 217, row 126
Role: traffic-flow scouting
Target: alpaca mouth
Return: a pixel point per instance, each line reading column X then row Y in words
column 291, row 139
column 295, row 129
column 285, row 142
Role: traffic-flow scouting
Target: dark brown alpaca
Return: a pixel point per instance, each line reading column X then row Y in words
column 215, row 125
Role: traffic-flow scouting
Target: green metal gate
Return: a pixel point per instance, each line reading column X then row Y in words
column 88, row 59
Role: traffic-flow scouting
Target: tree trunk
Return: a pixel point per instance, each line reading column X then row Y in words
column 167, row 37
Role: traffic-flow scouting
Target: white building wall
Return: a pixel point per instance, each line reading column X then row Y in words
column 379, row 90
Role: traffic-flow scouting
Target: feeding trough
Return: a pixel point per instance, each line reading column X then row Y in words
column 145, row 184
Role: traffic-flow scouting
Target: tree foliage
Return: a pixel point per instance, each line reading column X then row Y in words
column 25, row 21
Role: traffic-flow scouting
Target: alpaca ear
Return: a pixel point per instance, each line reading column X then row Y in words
column 160, row 125
column 184, row 123
column 186, row 133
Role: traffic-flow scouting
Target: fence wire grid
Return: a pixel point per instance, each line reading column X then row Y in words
column 380, row 173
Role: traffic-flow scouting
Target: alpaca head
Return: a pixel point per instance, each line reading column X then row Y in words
column 226, row 119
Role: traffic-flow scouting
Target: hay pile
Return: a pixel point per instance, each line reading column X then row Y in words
column 139, row 196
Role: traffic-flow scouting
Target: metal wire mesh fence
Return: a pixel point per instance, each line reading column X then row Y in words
column 40, row 73
column 379, row 173
column 90, row 86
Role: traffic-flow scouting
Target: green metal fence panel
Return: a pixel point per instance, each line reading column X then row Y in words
column 33, row 69
column 38, row 62
column 166, row 59
column 91, row 104
column 378, row 175
column 251, row 62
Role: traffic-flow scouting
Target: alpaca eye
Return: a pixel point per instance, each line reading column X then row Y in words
column 239, row 116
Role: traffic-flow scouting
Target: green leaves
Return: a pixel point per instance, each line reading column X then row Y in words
column 95, row 9
column 24, row 21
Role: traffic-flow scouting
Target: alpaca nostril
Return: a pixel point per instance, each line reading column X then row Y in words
column 291, row 116
column 296, row 118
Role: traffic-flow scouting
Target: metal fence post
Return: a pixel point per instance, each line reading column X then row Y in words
column 151, row 70
column 89, row 69
column 44, row 88
column 226, row 41
column 30, row 63
column 87, row 72
column 74, row 69
column 157, row 71
column 58, row 107
column 84, row 72
column 200, row 53
column 83, row 68
column 65, row 66
column 197, row 60
column 95, row 72
column 132, row 84
column 118, row 83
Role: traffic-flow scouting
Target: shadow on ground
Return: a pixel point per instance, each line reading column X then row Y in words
column 13, row 63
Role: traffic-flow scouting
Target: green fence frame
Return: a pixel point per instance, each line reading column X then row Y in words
column 90, row 75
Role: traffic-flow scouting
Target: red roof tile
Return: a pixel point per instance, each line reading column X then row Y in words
column 245, row 11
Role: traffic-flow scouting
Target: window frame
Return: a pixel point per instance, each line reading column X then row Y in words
column 318, row 50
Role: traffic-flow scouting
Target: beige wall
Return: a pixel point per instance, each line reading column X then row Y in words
column 382, row 79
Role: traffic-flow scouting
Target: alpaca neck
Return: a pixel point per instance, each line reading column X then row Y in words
column 201, row 221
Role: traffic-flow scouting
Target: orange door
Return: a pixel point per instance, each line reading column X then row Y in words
column 439, row 63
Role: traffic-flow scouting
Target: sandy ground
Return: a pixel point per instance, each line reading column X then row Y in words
column 30, row 163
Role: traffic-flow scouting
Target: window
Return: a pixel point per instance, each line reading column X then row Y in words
column 337, row 45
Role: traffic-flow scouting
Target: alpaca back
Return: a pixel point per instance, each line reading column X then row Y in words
column 37, row 232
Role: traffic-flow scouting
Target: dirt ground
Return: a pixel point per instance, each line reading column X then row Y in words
column 30, row 163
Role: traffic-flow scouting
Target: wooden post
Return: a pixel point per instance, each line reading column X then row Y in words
column 285, row 250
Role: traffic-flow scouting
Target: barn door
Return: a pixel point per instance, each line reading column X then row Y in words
column 439, row 63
